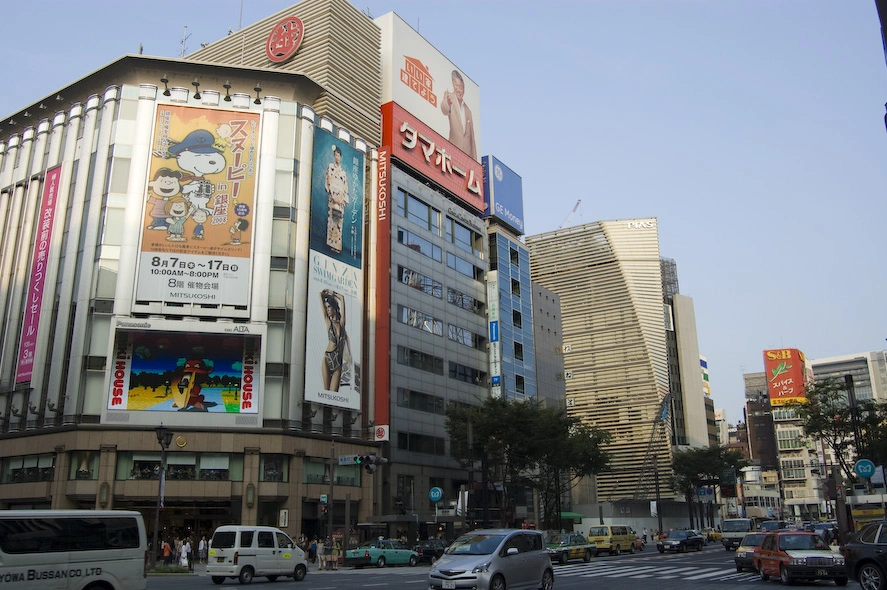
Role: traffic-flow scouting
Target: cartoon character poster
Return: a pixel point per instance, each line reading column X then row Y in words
column 185, row 372
column 199, row 207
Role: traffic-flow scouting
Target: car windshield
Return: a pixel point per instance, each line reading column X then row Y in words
column 480, row 544
column 556, row 539
column 802, row 542
column 735, row 526
column 676, row 535
column 598, row 531
column 753, row 540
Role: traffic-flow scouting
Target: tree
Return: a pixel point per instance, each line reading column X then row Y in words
column 525, row 445
column 697, row 467
column 851, row 430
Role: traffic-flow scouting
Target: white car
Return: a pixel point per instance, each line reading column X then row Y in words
column 244, row 552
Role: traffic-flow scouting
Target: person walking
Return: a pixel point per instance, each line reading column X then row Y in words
column 312, row 551
column 645, row 535
column 321, row 554
column 328, row 553
column 201, row 550
column 337, row 547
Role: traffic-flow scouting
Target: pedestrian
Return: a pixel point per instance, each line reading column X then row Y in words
column 186, row 554
column 328, row 553
column 201, row 550
column 645, row 534
column 335, row 554
column 167, row 553
column 321, row 553
column 312, row 551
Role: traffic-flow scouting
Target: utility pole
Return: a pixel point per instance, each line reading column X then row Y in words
column 329, row 498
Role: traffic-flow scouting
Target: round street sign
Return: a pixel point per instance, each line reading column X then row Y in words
column 435, row 494
column 864, row 468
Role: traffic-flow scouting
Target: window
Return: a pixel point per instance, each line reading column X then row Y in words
column 63, row 534
column 461, row 265
column 420, row 282
column 274, row 468
column 518, row 351
column 513, row 255
column 467, row 374
column 419, row 244
column 419, row 360
column 421, row 443
column 419, row 320
column 460, row 299
column 423, row 402
column 29, row 468
column 515, row 287
column 418, row 211
column 519, row 387
column 517, row 319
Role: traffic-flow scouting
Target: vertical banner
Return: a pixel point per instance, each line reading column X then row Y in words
column 785, row 371
column 383, row 293
column 199, row 205
column 37, row 279
column 335, row 274
column 493, row 324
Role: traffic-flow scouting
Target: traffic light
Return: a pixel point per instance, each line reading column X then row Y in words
column 370, row 461
column 324, row 509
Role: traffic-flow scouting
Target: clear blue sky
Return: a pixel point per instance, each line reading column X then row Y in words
column 753, row 130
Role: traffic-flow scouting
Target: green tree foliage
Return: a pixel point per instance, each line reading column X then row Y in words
column 697, row 467
column 525, row 445
column 850, row 431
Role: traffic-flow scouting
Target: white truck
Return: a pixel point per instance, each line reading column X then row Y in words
column 733, row 530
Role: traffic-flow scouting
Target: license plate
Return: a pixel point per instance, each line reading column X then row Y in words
column 821, row 573
column 220, row 560
column 449, row 584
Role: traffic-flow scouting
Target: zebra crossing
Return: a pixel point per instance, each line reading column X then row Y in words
column 625, row 570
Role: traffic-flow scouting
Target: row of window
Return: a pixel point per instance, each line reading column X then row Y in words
column 425, row 247
column 428, row 323
column 431, row 287
column 416, row 359
column 429, row 218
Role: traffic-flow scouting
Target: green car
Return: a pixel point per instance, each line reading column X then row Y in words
column 380, row 553
column 563, row 547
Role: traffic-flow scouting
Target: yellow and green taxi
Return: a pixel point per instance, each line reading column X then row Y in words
column 563, row 547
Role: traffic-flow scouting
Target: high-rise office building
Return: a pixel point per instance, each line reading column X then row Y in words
column 608, row 277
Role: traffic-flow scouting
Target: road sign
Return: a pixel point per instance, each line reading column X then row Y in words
column 435, row 494
column 323, row 498
column 864, row 468
column 347, row 459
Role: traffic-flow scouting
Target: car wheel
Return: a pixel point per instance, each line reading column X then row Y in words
column 785, row 577
column 618, row 550
column 871, row 577
column 246, row 575
column 299, row 573
column 433, row 559
column 699, row 547
column 682, row 548
column 413, row 560
column 547, row 580
column 497, row 583
column 739, row 569
column 840, row 581
column 587, row 557
column 662, row 551
column 271, row 578
column 381, row 561
column 562, row 558
column 631, row 548
column 764, row 577
column 218, row 579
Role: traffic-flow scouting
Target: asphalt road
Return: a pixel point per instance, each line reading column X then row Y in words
column 712, row 568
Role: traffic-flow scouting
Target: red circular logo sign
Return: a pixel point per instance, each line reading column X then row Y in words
column 380, row 432
column 285, row 38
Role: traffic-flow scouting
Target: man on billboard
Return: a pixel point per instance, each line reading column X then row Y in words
column 461, row 122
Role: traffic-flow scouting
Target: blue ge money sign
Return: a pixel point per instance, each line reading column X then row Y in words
column 864, row 468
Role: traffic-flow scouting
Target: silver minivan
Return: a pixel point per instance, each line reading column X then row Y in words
column 244, row 552
column 494, row 559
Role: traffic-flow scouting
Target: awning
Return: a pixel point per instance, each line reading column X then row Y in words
column 572, row 515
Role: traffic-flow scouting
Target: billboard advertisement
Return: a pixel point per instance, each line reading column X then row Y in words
column 165, row 367
column 429, row 154
column 199, row 205
column 493, row 325
column 37, row 279
column 418, row 77
column 785, row 371
column 503, row 194
column 335, row 274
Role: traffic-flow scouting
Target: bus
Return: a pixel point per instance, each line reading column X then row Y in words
column 73, row 549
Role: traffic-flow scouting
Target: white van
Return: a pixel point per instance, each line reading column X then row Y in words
column 244, row 552
column 73, row 549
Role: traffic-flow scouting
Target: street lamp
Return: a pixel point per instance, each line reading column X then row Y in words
column 164, row 438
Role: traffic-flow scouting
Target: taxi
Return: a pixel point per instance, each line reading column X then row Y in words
column 798, row 555
column 712, row 534
column 563, row 547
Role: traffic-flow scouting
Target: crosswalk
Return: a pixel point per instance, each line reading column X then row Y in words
column 628, row 571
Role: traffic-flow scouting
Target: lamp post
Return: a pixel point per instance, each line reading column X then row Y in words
column 164, row 438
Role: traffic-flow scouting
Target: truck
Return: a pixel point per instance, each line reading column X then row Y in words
column 734, row 529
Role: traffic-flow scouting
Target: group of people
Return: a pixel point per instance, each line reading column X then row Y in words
column 180, row 551
column 326, row 551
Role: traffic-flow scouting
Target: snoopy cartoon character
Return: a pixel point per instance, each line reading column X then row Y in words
column 198, row 157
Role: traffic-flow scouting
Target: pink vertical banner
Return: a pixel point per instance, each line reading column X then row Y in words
column 36, row 281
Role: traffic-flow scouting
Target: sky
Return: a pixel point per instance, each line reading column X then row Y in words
column 751, row 129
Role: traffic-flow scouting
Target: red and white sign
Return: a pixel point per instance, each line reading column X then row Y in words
column 422, row 149
column 380, row 433
column 284, row 39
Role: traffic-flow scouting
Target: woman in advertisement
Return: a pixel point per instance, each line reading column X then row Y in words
column 337, row 191
column 334, row 358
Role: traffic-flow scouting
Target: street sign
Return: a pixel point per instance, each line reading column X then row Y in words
column 435, row 494
column 347, row 459
column 446, row 512
column 323, row 498
column 864, row 468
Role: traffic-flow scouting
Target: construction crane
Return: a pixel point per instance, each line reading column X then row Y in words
column 648, row 475
column 570, row 216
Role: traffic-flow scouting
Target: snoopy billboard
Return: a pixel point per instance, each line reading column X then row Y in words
column 199, row 206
